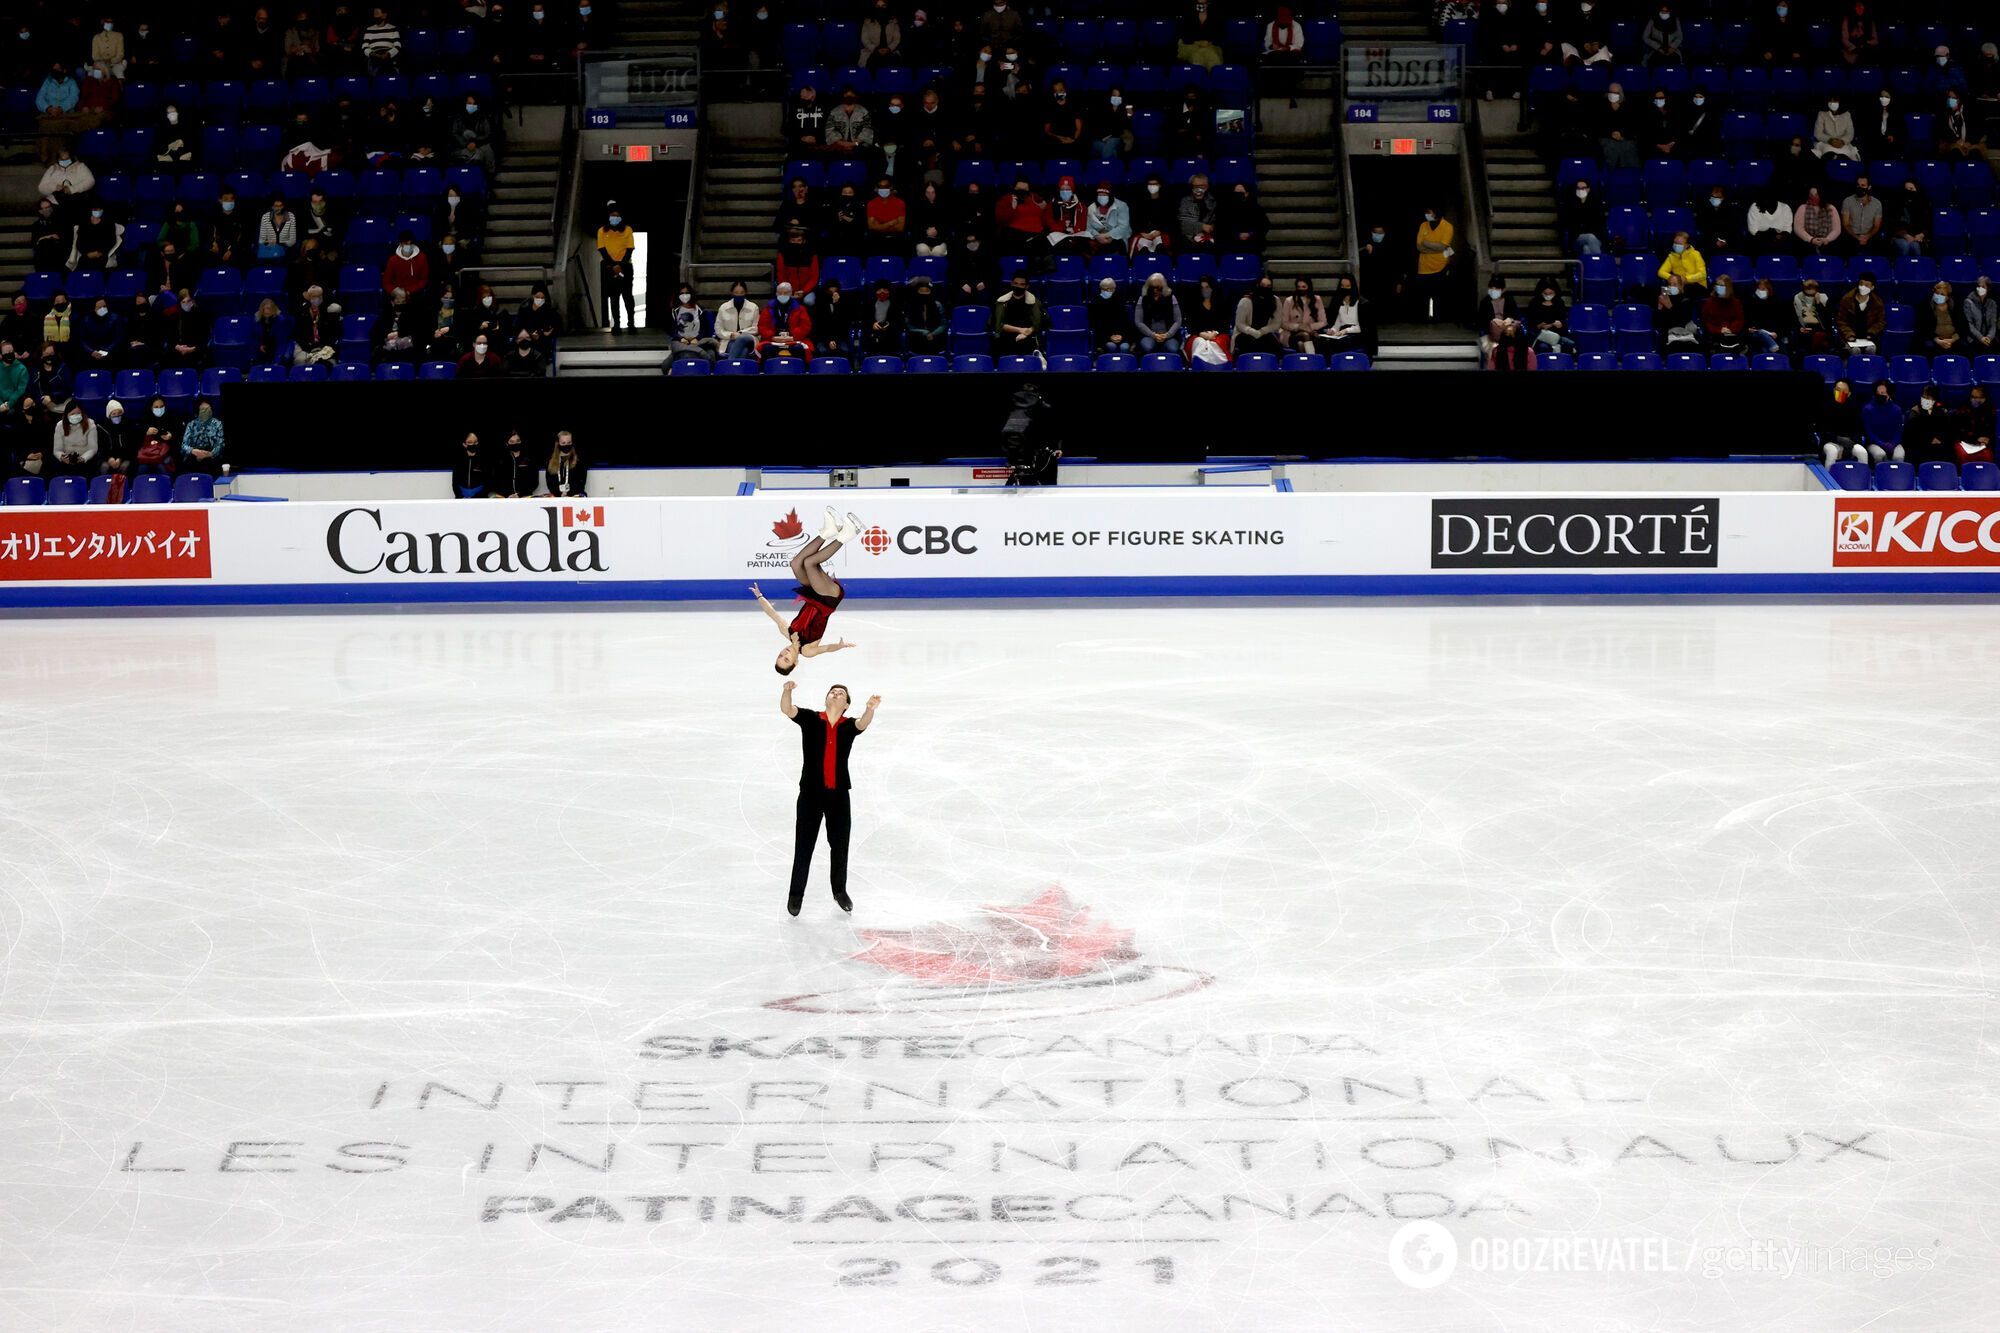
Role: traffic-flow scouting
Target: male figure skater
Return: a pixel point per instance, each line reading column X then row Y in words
column 824, row 738
column 818, row 589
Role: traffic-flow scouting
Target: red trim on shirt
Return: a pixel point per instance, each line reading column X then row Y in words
column 832, row 768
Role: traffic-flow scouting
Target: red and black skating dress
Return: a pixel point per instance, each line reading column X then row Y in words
column 811, row 621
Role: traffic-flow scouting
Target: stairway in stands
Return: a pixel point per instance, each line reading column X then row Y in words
column 1299, row 184
column 651, row 25
column 519, row 202
column 1520, row 184
column 740, row 189
column 17, row 214
column 1385, row 22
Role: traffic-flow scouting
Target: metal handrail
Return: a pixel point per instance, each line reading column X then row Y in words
column 593, row 304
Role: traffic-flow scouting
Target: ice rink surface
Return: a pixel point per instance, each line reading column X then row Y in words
column 430, row 971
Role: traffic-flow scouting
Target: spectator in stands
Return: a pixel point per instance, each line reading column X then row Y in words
column 1066, row 220
column 1062, row 128
column 798, row 209
column 1928, row 434
column 758, row 36
column 1284, row 39
column 1435, row 250
column 1940, row 327
column 482, row 362
column 1881, row 427
column 1879, row 132
column 536, row 317
column 67, row 183
column 1973, row 427
column 784, row 328
column 58, row 322
column 929, row 227
column 1781, row 35
column 1618, row 131
column 74, row 445
column 277, row 234
column 1664, row 38
column 737, row 323
column 1302, row 319
column 1002, row 26
column 53, row 381
column 720, row 47
column 398, row 328
column 1768, row 322
column 846, row 223
column 616, row 242
column 449, row 272
column 1110, row 322
column 264, row 45
column 1662, row 126
column 514, row 475
column 230, row 236
column 1496, row 319
column 1197, row 216
column 451, row 329
column 107, row 49
column 1958, row 135
column 1861, row 219
column 888, row 220
column 118, row 441
column 1501, row 51
column 49, row 239
column 1022, row 219
column 926, row 321
column 1018, row 321
column 1862, row 317
column 221, row 46
column 1352, row 326
column 1256, row 326
column 805, row 119
column 271, row 333
column 1768, row 223
column 1191, row 124
column 141, row 347
column 1154, row 219
column 1109, row 124
column 882, row 331
column 849, row 127
column 184, row 330
column 315, row 329
column 1676, row 318
column 1816, row 224
column 1200, row 37
column 797, row 263
column 1840, row 426
column 1860, row 37
column 407, row 269
column 567, row 476
column 460, row 214
column 1947, row 76
column 1981, row 317
column 488, row 316
column 314, row 265
column 1701, row 126
column 1241, row 222
column 474, row 133
column 536, row 47
column 1718, row 223
column 686, row 336
column 14, row 381
column 21, row 327
column 526, row 361
column 1985, row 87
column 56, row 105
column 1910, row 220
column 470, row 474
column 99, row 335
column 301, row 46
column 833, row 319
column 381, row 43
column 1833, row 131
column 974, row 275
column 1723, row 319
column 1156, row 316
column 1108, row 222
column 202, row 443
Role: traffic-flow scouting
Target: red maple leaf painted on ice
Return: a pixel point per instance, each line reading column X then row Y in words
column 788, row 527
column 1047, row 938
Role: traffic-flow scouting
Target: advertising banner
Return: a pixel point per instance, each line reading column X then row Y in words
column 41, row 544
column 1912, row 530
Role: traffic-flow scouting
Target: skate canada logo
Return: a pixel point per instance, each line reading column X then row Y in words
column 782, row 540
column 1663, row 533
column 1043, row 957
column 1890, row 532
column 568, row 540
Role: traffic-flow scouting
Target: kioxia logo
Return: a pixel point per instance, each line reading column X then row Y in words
column 568, row 542
column 1043, row 957
column 1907, row 531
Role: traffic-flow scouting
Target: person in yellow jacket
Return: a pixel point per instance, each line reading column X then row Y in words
column 1684, row 262
column 615, row 246
column 1435, row 251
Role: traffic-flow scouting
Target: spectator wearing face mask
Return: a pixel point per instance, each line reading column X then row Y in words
column 1881, row 427
column 1497, row 320
column 784, row 328
column 202, row 442
column 1109, row 124
column 96, row 242
column 1155, row 221
column 13, row 380
column 1618, row 131
column 1066, row 220
column 736, row 323
column 99, row 332
column 1979, row 316
column 1302, row 319
column 1940, row 323
column 277, row 234
column 1109, row 319
column 1018, row 321
column 1662, row 125
column 1700, row 133
column 973, row 275
column 1862, row 317
column 1909, row 222
column 482, row 362
column 1973, row 427
column 49, row 238
column 616, row 261
column 315, row 329
column 515, row 474
column 1197, row 216
column 139, row 347
column 1664, row 38
column 1676, row 318
column 1001, row 25
column 524, row 360
column 850, row 129
column 834, row 317
column 1021, row 218
column 686, row 334
column 1719, row 223
column 73, row 448
column 930, row 222
column 1816, row 224
column 1436, row 249
column 1833, row 131
column 1768, row 320
column 184, row 329
column 882, row 327
column 1108, row 222
column 926, row 321
column 118, row 440
column 53, row 382
column 1812, row 331
column 1156, row 316
column 381, row 43
column 67, row 183
column 407, row 269
column 1928, row 430
column 1723, row 319
column 567, row 475
column 460, row 215
column 1547, row 320
column 1959, row 135
column 1879, row 130
column 59, row 322
column 1062, row 128
column 1580, row 214
column 1257, row 327
column 471, row 473
column 888, row 220
column 1685, row 263
column 536, row 318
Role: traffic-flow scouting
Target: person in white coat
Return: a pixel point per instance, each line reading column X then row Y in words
column 736, row 322
column 1833, row 131
column 1108, row 221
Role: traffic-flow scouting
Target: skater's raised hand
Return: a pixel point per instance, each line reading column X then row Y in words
column 757, row 592
column 874, row 702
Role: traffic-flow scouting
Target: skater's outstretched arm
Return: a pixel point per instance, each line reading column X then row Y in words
column 785, row 704
column 771, row 611
column 874, row 702
column 815, row 649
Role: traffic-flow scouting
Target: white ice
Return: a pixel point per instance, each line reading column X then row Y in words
column 1666, row 927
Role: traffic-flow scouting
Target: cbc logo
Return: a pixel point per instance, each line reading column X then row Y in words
column 918, row 539
column 1423, row 1255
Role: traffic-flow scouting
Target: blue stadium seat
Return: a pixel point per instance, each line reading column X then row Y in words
column 1953, row 375
column 1115, row 362
column 689, row 365
column 927, row 365
column 1257, row 361
column 266, row 375
column 831, row 365
column 150, row 488
column 436, row 371
column 1169, row 361
column 1068, row 364
column 1938, row 477
column 1302, row 361
column 193, row 488
column 68, row 491
column 100, row 489
column 1596, row 361
column 882, row 365
column 1850, row 475
column 1590, row 325
column 1020, row 365
column 1555, row 361
column 736, row 365
column 26, row 491
column 1774, row 361
column 1980, row 477
column 1640, row 361
column 1864, row 368
column 1892, row 476
column 972, row 363
column 1728, row 361
column 315, row 373
column 1632, row 328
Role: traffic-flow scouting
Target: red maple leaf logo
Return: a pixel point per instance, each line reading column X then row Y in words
column 1046, row 938
column 788, row 527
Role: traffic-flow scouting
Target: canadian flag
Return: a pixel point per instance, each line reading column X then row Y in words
column 579, row 516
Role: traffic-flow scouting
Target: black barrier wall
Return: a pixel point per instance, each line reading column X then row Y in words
column 810, row 421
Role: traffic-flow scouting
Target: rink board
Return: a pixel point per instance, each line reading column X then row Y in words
column 1012, row 544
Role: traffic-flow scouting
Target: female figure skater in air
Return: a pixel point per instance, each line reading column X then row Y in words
column 817, row 589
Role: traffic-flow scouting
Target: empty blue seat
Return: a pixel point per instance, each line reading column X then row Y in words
column 1640, row 361
column 736, row 365
column 1020, row 365
column 100, row 490
column 434, row 371
column 68, row 491
column 831, row 365
column 1850, row 475
column 882, row 365
column 1555, row 361
column 972, row 363
column 690, row 365
column 150, row 488
column 787, row 365
column 1980, row 477
column 1892, row 476
column 1068, row 364
column 1773, row 361
column 1938, row 477
column 193, row 488
column 927, row 365
column 1115, row 362
column 26, row 491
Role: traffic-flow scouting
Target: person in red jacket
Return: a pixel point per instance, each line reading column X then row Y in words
column 797, row 263
column 482, row 362
column 1064, row 216
column 407, row 268
column 784, row 328
column 1021, row 219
